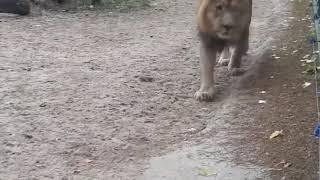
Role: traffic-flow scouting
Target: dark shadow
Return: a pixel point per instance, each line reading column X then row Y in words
column 257, row 67
column 21, row 7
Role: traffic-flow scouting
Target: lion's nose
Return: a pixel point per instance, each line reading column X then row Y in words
column 227, row 27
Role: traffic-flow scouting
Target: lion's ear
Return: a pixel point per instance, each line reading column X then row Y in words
column 202, row 19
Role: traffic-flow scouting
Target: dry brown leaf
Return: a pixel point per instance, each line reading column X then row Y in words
column 276, row 134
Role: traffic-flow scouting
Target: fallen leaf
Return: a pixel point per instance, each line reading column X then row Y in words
column 286, row 165
column 309, row 60
column 262, row 102
column 276, row 169
column 306, row 84
column 88, row 161
column 306, row 56
column 206, row 172
column 276, row 134
column 310, row 69
column 192, row 129
column 281, row 162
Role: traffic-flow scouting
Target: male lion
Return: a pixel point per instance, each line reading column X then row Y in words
column 223, row 25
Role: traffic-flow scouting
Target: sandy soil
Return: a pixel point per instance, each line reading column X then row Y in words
column 96, row 95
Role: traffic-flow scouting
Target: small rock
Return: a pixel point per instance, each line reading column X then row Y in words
column 144, row 139
column 26, row 68
column 43, row 104
column 146, row 79
column 148, row 121
column 69, row 100
column 27, row 136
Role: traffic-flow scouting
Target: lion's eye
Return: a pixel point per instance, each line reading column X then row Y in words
column 219, row 7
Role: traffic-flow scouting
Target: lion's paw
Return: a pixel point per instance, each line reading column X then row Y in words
column 204, row 95
column 237, row 71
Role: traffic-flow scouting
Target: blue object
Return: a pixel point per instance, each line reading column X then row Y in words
column 312, row 40
column 317, row 130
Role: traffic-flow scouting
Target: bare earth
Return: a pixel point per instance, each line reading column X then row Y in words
column 98, row 95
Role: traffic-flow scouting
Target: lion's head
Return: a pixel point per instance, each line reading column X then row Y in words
column 224, row 19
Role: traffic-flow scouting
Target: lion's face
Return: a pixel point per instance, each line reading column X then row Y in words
column 225, row 19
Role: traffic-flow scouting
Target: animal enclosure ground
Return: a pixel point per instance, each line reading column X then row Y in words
column 96, row 95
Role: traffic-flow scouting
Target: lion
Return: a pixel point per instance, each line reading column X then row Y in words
column 223, row 28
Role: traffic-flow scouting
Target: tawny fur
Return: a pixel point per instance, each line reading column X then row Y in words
column 201, row 15
column 223, row 25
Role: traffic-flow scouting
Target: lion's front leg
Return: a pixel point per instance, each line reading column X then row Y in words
column 235, row 59
column 236, row 55
column 224, row 57
column 207, row 62
column 235, row 62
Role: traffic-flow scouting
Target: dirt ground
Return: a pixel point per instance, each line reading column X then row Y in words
column 98, row 95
